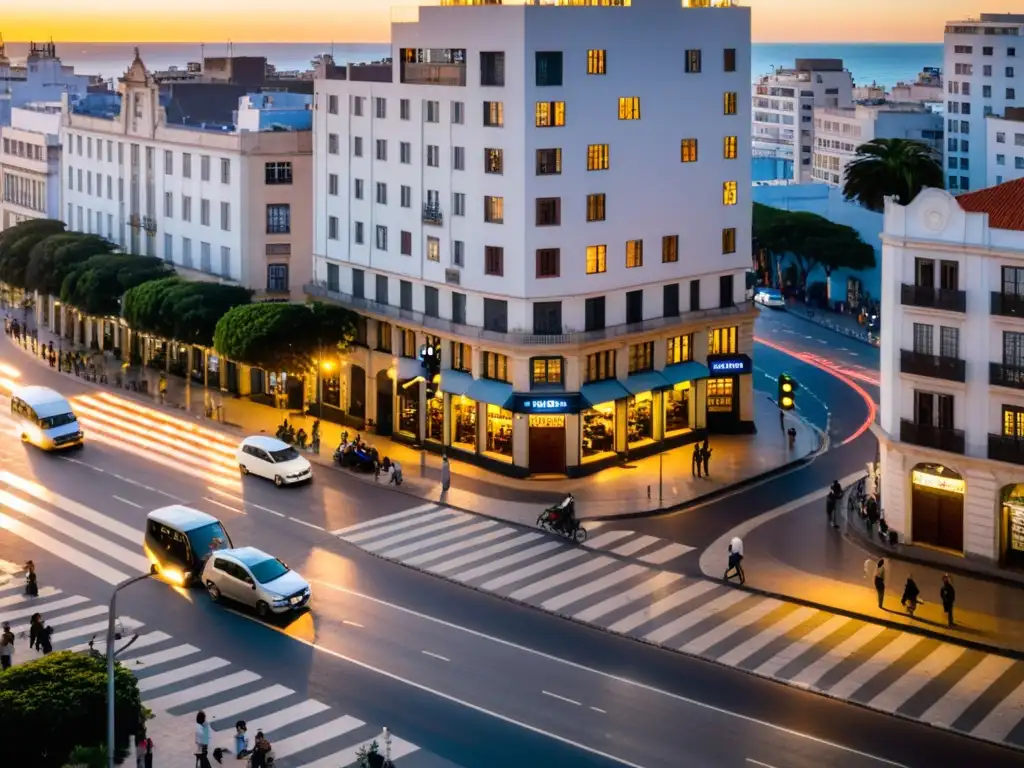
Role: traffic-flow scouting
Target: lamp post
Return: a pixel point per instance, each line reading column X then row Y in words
column 111, row 639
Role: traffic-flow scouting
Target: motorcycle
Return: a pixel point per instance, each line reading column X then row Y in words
column 561, row 519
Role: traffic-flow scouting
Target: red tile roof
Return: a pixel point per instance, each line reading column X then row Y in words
column 1004, row 204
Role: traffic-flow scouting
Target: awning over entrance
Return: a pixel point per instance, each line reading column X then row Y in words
column 646, row 382
column 680, row 372
column 456, row 382
column 603, row 391
column 490, row 392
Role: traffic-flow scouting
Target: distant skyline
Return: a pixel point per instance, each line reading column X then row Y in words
column 344, row 21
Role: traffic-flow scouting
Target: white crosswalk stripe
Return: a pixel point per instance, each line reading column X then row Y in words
column 624, row 582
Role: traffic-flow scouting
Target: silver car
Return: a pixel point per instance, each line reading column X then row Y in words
column 252, row 577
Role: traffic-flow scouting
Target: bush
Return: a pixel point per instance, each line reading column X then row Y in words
column 54, row 705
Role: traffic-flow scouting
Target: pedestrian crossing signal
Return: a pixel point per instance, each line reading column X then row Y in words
column 787, row 392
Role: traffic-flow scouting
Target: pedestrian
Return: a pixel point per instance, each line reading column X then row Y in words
column 35, row 631
column 880, row 580
column 697, row 462
column 911, row 595
column 871, row 515
column 735, row 561
column 6, row 647
column 202, row 737
column 948, row 596
column 446, row 478
column 705, row 456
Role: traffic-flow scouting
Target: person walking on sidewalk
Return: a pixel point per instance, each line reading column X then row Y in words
column 6, row 647
column 698, row 461
column 446, row 478
column 947, row 594
column 705, row 456
column 880, row 580
column 911, row 595
column 735, row 561
column 163, row 387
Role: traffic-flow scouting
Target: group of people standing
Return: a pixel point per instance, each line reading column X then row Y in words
column 701, row 457
column 911, row 592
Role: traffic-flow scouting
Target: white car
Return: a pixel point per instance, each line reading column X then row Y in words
column 273, row 459
column 252, row 577
column 769, row 297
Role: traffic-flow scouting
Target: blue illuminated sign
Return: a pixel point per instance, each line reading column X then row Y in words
column 560, row 403
column 729, row 365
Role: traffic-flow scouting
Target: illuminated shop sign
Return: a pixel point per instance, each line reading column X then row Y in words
column 729, row 365
column 561, row 403
column 928, row 480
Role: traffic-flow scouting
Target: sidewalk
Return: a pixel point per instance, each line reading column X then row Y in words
column 841, row 323
column 622, row 490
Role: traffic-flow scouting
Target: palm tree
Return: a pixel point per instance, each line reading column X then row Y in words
column 898, row 168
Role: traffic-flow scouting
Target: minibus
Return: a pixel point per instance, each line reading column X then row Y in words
column 45, row 418
column 178, row 541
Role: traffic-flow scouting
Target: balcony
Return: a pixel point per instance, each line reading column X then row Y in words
column 417, row 73
column 1006, row 448
column 933, row 298
column 1001, row 375
column 932, row 366
column 432, row 214
column 928, row 436
column 1007, row 304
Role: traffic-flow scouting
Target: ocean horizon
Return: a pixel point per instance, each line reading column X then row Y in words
column 882, row 63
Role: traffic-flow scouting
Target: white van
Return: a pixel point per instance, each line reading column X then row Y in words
column 45, row 418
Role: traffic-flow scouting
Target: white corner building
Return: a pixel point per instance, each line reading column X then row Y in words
column 838, row 131
column 556, row 195
column 984, row 70
column 30, row 150
column 951, row 426
column 1005, row 141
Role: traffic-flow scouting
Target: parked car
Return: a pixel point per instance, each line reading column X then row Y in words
column 769, row 297
column 274, row 460
column 251, row 577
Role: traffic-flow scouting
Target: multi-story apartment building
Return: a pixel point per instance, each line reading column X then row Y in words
column 1005, row 142
column 783, row 109
column 228, row 202
column 838, row 131
column 30, row 149
column 42, row 78
column 563, row 211
column 984, row 67
column 952, row 394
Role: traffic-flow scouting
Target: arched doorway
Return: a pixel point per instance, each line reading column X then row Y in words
column 357, row 399
column 1012, row 525
column 385, row 404
column 937, row 506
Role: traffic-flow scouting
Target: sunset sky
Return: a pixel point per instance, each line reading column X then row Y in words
column 368, row 20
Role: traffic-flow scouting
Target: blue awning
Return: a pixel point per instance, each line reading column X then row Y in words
column 646, row 382
column 455, row 382
column 680, row 372
column 490, row 392
column 605, row 391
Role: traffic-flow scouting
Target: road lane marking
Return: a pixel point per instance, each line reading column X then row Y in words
column 598, row 709
column 225, row 494
column 752, row 761
column 126, row 501
column 222, row 505
column 307, row 524
column 434, row 655
column 561, row 698
column 352, row 623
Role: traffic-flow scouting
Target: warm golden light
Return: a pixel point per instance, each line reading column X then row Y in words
column 10, row 370
column 327, row 366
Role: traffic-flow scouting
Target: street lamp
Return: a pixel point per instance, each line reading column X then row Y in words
column 111, row 639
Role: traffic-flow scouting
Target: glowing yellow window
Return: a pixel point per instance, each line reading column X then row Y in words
column 729, row 149
column 597, row 259
column 730, row 102
column 629, row 108
column 729, row 193
column 634, row 253
column 549, row 114
column 596, row 61
column 688, row 151
column 597, row 157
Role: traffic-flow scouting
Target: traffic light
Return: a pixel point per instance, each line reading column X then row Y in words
column 430, row 357
column 787, row 392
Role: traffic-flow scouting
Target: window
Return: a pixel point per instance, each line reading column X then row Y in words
column 405, row 195
column 405, row 152
column 381, row 237
column 729, row 60
column 629, row 108
column 406, row 243
column 332, row 184
column 594, row 314
column 186, row 163
column 168, row 204
column 923, row 339
column 688, row 150
column 225, row 171
column 729, row 193
column 381, row 146
column 204, row 167
column 596, row 61
column 403, row 109
column 458, row 253
column 949, row 342
column 549, row 162
column 205, row 260
column 433, row 155
column 496, row 315
column 729, row 148
column 494, row 366
column 494, row 210
column 458, row 113
column 357, row 189
column 546, row 371
column 492, row 68
column 595, row 207
column 494, row 114
column 597, row 157
column 670, row 300
column 433, row 248
column 1009, row 71
column 332, row 144
column 549, row 114
column 277, row 278
column 730, row 102
column 600, row 365
column 405, row 295
column 279, row 219
column 494, row 260
column 332, row 105
column 278, row 173
column 1013, row 349
column 634, row 307
column 458, row 158
column 679, row 349
column 693, row 61
column 549, row 211
column 634, row 253
column 641, row 357
column 549, row 67
column 725, row 295
column 1013, row 422
column 204, row 212
column 493, row 161
column 357, row 146
column 1011, row 94
column 547, row 262
column 729, row 240
column 458, row 204
column 723, row 341
column 669, row 249
column 186, row 208
column 597, row 259
column 168, row 162
column 332, row 227
column 382, row 193
column 380, row 107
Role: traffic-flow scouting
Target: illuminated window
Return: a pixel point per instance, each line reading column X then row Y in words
column 634, row 253
column 719, row 395
column 494, row 114
column 679, row 349
column 629, row 108
column 641, row 357
column 546, row 370
column 729, row 240
column 723, row 341
column 597, row 259
column 688, row 151
column 495, row 366
column 549, row 114
column 729, row 148
column 669, row 249
column 596, row 61
column 597, row 157
column 1013, row 422
column 729, row 193
column 494, row 209
column 595, row 207
column 600, row 366
column 730, row 102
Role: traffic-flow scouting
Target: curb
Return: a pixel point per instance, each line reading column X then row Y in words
column 812, row 321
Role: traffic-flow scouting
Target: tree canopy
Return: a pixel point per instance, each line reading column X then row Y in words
column 898, row 168
column 283, row 337
column 173, row 308
column 96, row 285
column 16, row 244
column 55, row 257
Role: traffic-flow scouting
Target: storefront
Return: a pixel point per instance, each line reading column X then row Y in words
column 548, row 418
column 409, row 406
column 1012, row 526
column 499, row 433
column 603, row 423
column 723, row 391
column 937, row 506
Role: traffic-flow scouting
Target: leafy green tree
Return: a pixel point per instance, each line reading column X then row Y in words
column 53, row 705
column 898, row 168
column 53, row 259
column 142, row 307
column 96, row 286
column 193, row 309
column 16, row 244
column 282, row 337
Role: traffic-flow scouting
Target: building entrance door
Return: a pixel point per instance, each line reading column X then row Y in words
column 937, row 504
column 547, row 445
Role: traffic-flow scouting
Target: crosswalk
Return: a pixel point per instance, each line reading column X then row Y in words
column 939, row 683
column 176, row 678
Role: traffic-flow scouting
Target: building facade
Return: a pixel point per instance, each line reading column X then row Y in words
column 30, row 150
column 42, row 78
column 951, row 426
column 783, row 109
column 1005, row 142
column 533, row 195
column 984, row 68
column 229, row 203
column 838, row 131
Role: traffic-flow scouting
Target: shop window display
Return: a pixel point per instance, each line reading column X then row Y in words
column 677, row 408
column 499, row 432
column 435, row 417
column 330, row 386
column 640, row 423
column 598, row 431
column 720, row 395
column 464, row 423
column 409, row 407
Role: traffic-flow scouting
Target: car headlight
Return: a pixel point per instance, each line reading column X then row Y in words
column 280, row 601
